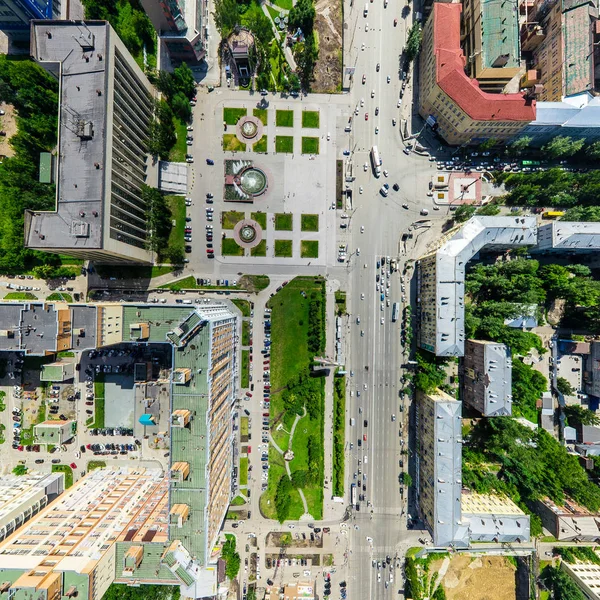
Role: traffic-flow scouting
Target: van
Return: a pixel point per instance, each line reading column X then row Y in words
column 366, row 11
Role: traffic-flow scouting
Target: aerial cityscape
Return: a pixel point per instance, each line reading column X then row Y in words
column 299, row 299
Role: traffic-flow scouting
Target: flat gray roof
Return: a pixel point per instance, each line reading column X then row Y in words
column 84, row 326
column 81, row 50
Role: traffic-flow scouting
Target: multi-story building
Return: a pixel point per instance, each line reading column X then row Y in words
column 490, row 41
column 16, row 15
column 182, row 27
column 487, row 378
column 441, row 276
column 559, row 39
column 103, row 161
column 22, row 497
column 566, row 237
column 586, row 575
column 439, row 466
column 456, row 517
column 178, row 547
column 592, row 372
column 453, row 103
column 570, row 522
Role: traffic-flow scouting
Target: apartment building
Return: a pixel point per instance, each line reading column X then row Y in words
column 441, row 277
column 103, row 161
column 453, row 103
column 487, row 378
column 490, row 41
column 586, row 575
column 569, row 522
column 24, row 496
column 182, row 27
column 566, row 237
column 559, row 38
column 439, row 466
column 176, row 544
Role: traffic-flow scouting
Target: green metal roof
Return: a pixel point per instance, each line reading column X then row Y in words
column 45, row 167
column 500, row 32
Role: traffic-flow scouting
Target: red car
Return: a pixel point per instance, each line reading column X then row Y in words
column 73, row 466
column 249, row 394
column 20, row 448
column 365, row 437
column 88, row 446
column 366, row 116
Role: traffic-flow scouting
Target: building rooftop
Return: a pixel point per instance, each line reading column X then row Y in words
column 500, row 33
column 569, row 235
column 81, row 50
column 451, row 76
column 578, row 51
column 492, row 504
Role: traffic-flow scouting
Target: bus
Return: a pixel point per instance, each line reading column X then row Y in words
column 530, row 163
column 395, row 311
column 552, row 214
column 376, row 161
column 353, row 494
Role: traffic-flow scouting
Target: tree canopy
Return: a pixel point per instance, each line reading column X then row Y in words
column 413, row 42
column 303, row 15
column 231, row 557
column 562, row 146
column 579, row 415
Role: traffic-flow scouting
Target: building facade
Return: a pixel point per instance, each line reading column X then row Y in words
column 440, row 467
column 570, row 522
column 487, row 378
column 182, row 27
column 453, row 103
column 24, row 496
column 176, row 545
column 567, row 237
column 106, row 109
column 441, row 277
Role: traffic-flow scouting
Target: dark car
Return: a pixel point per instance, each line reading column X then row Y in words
column 188, row 249
column 396, row 187
column 210, row 161
column 39, row 461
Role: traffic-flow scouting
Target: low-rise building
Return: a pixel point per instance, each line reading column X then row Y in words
column 59, row 371
column 452, row 102
column 487, row 372
column 303, row 589
column 568, row 237
column 569, row 522
column 54, row 432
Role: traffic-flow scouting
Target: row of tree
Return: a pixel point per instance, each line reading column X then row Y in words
column 316, row 320
column 560, row 146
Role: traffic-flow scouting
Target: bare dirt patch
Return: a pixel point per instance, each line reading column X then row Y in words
column 328, row 68
column 556, row 312
column 8, row 124
column 480, row 578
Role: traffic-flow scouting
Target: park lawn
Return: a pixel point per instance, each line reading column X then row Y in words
column 95, row 464
column 239, row 500
column 261, row 145
column 285, row 4
column 66, row 469
column 260, row 249
column 176, row 205
column 231, row 143
column 20, row 296
column 60, row 297
column 229, row 247
column 261, row 113
column 245, row 368
column 267, row 503
column 180, row 149
column 284, row 221
column 309, row 249
column 161, row 270
column 244, row 470
column 232, row 115
column 99, row 402
column 283, row 248
column 273, row 12
column 243, row 305
column 260, row 218
column 310, row 119
column 245, row 333
column 284, row 144
column 310, row 145
column 254, row 283
column 231, row 218
column 284, row 118
column 187, row 283
column 309, row 223
column 244, row 426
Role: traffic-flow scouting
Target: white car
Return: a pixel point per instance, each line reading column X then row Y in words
column 367, row 27
column 362, row 102
column 360, row 189
column 366, row 166
column 362, row 227
column 386, row 173
column 372, row 93
column 376, row 130
column 388, row 79
column 382, row 320
column 362, row 296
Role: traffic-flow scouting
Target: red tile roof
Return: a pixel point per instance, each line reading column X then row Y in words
column 451, row 77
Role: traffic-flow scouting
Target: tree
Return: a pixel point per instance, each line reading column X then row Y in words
column 488, row 144
column 520, row 144
column 413, row 42
column 227, row 16
column 593, row 150
column 488, row 210
column 562, row 586
column 231, row 557
column 302, row 15
column 181, row 106
column 463, row 213
column 562, row 145
column 158, row 219
column 20, row 470
column 430, row 373
column 564, row 387
column 283, row 500
column 184, row 80
column 260, row 25
column 527, row 387
column 406, row 479
column 300, row 478
column 577, row 414
column 582, row 213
